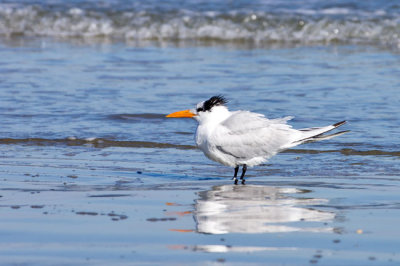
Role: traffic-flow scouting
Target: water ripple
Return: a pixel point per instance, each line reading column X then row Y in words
column 104, row 143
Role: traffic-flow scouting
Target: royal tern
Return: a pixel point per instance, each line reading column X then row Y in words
column 243, row 138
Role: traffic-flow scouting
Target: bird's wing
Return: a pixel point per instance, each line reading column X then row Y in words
column 246, row 135
column 317, row 133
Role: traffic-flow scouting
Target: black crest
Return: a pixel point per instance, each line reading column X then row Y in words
column 214, row 101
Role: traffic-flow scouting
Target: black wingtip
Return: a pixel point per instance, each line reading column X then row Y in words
column 340, row 123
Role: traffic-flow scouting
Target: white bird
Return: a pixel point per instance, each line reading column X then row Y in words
column 243, row 138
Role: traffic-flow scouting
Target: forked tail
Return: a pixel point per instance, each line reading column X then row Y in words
column 317, row 133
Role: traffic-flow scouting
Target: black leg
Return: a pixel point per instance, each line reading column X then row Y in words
column 243, row 173
column 235, row 175
column 236, row 171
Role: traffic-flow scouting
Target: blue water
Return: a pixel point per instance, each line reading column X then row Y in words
column 92, row 172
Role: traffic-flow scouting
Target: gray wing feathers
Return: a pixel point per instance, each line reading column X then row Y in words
column 247, row 135
column 316, row 133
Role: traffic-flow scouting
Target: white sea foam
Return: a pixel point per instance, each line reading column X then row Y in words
column 259, row 27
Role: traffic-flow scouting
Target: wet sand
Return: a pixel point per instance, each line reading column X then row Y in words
column 58, row 207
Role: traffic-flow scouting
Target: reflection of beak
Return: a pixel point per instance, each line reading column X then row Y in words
column 184, row 113
column 182, row 230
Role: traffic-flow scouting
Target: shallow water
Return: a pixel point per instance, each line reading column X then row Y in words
column 92, row 171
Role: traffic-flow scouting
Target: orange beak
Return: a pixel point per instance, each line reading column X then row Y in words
column 184, row 113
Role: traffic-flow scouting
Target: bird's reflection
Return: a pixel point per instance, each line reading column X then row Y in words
column 259, row 209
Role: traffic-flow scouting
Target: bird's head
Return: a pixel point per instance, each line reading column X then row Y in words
column 212, row 108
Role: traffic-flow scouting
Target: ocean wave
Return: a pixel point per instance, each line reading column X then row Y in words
column 137, row 117
column 105, row 143
column 326, row 26
column 93, row 142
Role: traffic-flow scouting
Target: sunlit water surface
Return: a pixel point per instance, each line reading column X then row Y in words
column 92, row 171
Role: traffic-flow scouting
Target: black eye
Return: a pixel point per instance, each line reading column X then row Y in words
column 200, row 109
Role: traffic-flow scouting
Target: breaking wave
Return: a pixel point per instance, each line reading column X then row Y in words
column 306, row 27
